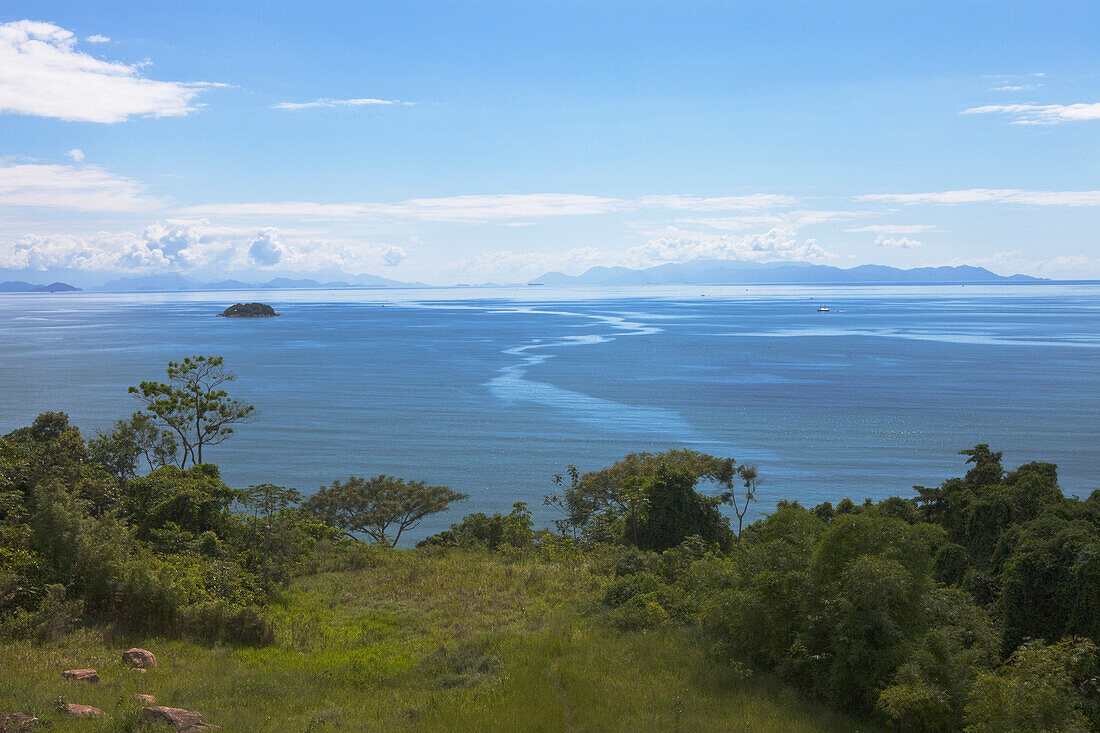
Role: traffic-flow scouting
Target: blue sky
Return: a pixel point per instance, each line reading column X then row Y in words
column 475, row 141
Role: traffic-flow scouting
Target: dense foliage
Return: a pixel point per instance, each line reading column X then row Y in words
column 174, row 551
column 974, row 605
column 383, row 507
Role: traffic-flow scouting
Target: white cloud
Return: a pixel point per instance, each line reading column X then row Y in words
column 265, row 250
column 504, row 207
column 80, row 187
column 393, row 256
column 895, row 228
column 674, row 246
column 508, row 266
column 787, row 219
column 883, row 240
column 470, row 208
column 76, row 154
column 317, row 103
column 43, row 74
column 991, row 195
column 683, row 246
column 1067, row 267
column 1041, row 114
column 716, row 203
column 190, row 245
column 507, row 206
column 281, row 209
column 97, row 38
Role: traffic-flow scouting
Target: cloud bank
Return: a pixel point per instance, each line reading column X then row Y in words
column 43, row 74
column 883, row 240
column 674, row 245
column 991, row 195
column 77, row 187
column 185, row 246
column 320, row 103
column 1041, row 114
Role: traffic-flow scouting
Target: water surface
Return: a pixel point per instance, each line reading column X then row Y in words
column 492, row 391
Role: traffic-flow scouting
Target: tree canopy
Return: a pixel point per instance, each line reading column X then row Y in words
column 193, row 404
column 382, row 507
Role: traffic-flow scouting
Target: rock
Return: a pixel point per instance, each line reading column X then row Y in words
column 83, row 675
column 145, row 699
column 140, row 670
column 140, row 658
column 184, row 721
column 17, row 722
column 81, row 711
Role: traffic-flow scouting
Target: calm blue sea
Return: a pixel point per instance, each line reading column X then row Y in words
column 492, row 391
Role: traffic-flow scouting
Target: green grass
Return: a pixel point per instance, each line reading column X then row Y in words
column 422, row 641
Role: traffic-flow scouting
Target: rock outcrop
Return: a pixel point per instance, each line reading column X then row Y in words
column 140, row 658
column 18, row 722
column 82, row 675
column 183, row 721
column 81, row 711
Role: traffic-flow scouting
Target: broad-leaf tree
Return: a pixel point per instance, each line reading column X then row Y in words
column 132, row 443
column 382, row 507
column 193, row 404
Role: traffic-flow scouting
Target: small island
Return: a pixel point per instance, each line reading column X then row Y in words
column 249, row 310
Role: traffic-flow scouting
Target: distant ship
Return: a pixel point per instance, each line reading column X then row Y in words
column 823, row 309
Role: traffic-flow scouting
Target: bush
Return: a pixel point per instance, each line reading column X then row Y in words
column 631, row 560
column 642, row 601
column 463, row 665
column 495, row 532
column 1034, row 691
column 220, row 621
column 629, row 586
column 55, row 615
column 668, row 510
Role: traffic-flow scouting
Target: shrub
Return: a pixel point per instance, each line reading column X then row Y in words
column 515, row 529
column 462, row 665
column 220, row 621
column 668, row 509
column 55, row 615
column 1034, row 691
column 631, row 560
column 641, row 601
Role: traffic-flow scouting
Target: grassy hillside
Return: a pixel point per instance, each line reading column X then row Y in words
column 422, row 640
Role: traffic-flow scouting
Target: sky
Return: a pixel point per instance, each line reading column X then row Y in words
column 471, row 142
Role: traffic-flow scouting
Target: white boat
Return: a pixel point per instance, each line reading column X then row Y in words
column 823, row 309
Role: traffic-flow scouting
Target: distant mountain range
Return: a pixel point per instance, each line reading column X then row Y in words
column 18, row 286
column 730, row 272
column 173, row 281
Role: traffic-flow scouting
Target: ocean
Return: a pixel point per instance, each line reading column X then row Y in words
column 492, row 391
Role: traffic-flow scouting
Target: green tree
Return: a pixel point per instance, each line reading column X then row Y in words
column 1034, row 692
column 190, row 501
column 929, row 690
column 727, row 473
column 1050, row 585
column 132, row 443
column 514, row 529
column 193, row 404
column 664, row 509
column 595, row 503
column 378, row 506
column 275, row 536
